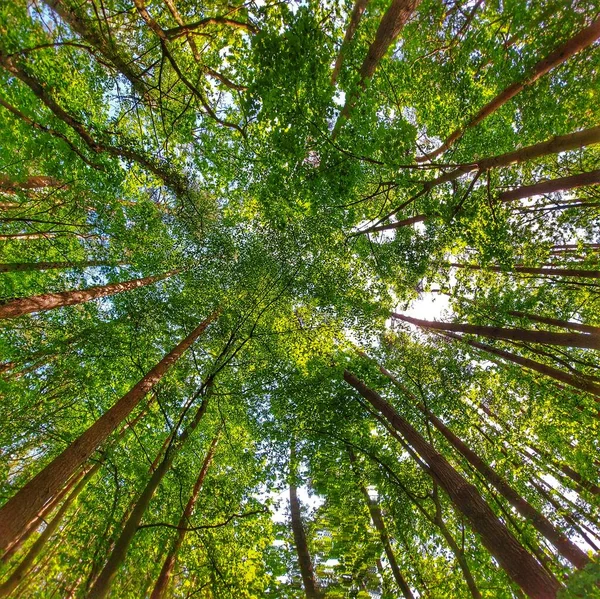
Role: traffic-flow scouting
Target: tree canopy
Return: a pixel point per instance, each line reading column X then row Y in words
column 300, row 299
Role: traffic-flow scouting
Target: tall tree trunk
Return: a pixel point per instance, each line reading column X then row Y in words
column 560, row 184
column 531, row 270
column 26, row 503
column 582, row 40
column 21, row 570
column 311, row 588
column 103, row 583
column 516, row 561
column 49, row 301
column 9, row 185
column 355, row 17
column 565, row 324
column 162, row 583
column 527, row 336
column 563, row 544
column 29, row 266
column 555, row 373
column 380, row 527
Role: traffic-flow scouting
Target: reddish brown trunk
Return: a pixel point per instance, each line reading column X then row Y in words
column 516, row 561
column 357, row 12
column 582, row 40
column 162, row 583
column 565, row 324
column 379, row 524
column 8, row 185
column 554, row 373
column 28, row 266
column 561, row 184
column 26, row 503
column 531, row 270
column 49, row 301
column 527, row 336
column 103, row 583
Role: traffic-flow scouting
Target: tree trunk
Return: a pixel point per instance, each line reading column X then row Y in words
column 9, row 185
column 582, row 40
column 518, row 563
column 49, row 301
column 527, row 336
column 103, row 583
column 162, row 583
column 355, row 17
column 26, row 503
column 380, row 527
column 555, row 373
column 29, row 266
column 311, row 588
column 556, row 272
column 565, row 324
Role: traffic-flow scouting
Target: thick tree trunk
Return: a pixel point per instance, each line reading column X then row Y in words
column 311, row 588
column 162, row 583
column 379, row 524
column 355, row 17
column 561, row 184
column 103, row 583
column 516, row 561
column 582, row 40
column 531, row 270
column 26, row 503
column 565, row 324
column 49, row 301
column 9, row 185
column 29, row 266
column 525, row 335
column 555, row 373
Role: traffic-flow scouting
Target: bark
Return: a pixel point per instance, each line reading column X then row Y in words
column 555, row 373
column 379, row 524
column 30, row 266
column 565, row 324
column 561, row 184
column 510, row 554
column 21, row 570
column 27, row 502
column 531, row 270
column 525, row 335
column 355, row 17
column 49, row 301
column 162, row 583
column 560, row 143
column 576, row 44
column 8, row 185
column 311, row 588
column 103, row 583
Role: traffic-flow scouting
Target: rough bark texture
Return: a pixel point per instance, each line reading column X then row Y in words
column 379, row 524
column 103, row 583
column 355, row 17
column 582, row 40
column 49, row 301
column 27, row 502
column 8, row 185
column 516, row 561
column 525, row 335
column 162, row 583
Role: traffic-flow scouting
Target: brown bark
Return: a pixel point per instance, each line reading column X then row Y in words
column 162, row 583
column 49, row 301
column 27, row 502
column 582, row 40
column 561, row 184
column 8, row 185
column 525, row 335
column 29, row 266
column 355, row 17
column 103, row 583
column 559, row 375
column 311, row 588
column 516, row 561
column 565, row 324
column 379, row 524
column 531, row 270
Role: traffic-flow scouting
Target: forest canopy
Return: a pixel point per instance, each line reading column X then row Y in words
column 300, row 298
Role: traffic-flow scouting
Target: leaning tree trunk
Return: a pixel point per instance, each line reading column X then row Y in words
column 49, row 301
column 162, row 583
column 582, row 40
column 565, row 324
column 29, row 266
column 26, row 503
column 103, row 583
column 524, row 335
column 380, row 527
column 533, row 270
column 311, row 588
column 516, row 561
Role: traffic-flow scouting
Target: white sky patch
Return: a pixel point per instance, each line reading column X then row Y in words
column 339, row 98
column 429, row 306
